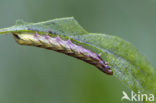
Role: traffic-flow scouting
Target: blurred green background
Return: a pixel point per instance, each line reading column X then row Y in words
column 35, row 75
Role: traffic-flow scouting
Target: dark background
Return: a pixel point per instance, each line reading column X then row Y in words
column 35, row 75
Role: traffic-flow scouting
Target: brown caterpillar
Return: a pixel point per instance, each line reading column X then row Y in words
column 66, row 47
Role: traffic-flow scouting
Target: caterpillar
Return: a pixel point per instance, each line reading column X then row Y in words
column 66, row 47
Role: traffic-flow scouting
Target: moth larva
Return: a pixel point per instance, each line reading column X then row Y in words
column 66, row 47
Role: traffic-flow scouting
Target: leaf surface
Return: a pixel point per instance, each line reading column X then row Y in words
column 126, row 62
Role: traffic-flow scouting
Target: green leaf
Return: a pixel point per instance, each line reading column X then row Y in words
column 126, row 62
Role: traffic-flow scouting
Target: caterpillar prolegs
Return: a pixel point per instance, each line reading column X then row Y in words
column 66, row 47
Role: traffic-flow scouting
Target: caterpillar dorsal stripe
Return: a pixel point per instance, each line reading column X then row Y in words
column 64, row 46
